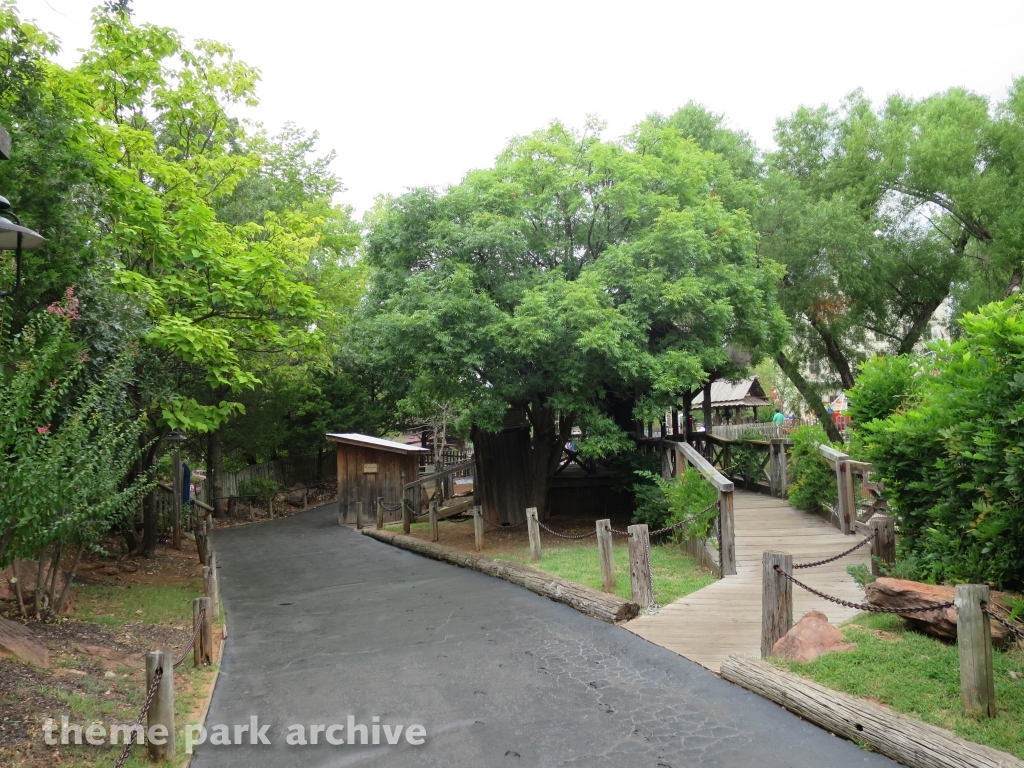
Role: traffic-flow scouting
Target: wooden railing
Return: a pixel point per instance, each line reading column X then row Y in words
column 675, row 457
column 846, row 470
column 770, row 472
column 443, row 482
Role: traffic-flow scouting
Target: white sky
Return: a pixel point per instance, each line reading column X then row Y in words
column 417, row 93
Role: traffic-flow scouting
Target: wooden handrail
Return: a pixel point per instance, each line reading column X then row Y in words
column 686, row 453
column 443, row 473
column 702, row 465
column 831, row 455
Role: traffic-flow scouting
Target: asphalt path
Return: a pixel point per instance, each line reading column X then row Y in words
column 327, row 624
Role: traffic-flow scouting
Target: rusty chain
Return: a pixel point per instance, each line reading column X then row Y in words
column 681, row 523
column 840, row 556
column 192, row 642
column 565, row 535
column 157, row 677
column 391, row 506
column 501, row 527
column 862, row 606
column 1010, row 626
column 618, row 533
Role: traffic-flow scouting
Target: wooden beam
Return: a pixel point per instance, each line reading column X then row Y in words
column 438, row 475
column 610, row 608
column 698, row 462
column 902, row 738
column 5, row 144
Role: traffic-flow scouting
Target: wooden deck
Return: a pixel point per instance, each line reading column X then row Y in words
column 725, row 617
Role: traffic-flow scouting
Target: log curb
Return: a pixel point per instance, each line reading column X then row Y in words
column 903, row 738
column 591, row 602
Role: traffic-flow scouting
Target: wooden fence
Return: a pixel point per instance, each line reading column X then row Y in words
column 433, row 490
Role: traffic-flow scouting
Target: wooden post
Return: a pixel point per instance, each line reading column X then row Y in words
column 211, row 592
column 675, row 422
column 666, row 462
column 776, row 600
column 640, row 566
column 176, row 501
column 604, row 550
column 406, row 516
column 847, row 502
column 270, row 506
column 974, row 642
column 433, row 520
column 161, row 711
column 534, row 531
column 359, row 515
column 707, row 408
column 727, row 546
column 380, row 512
column 883, row 545
column 478, row 527
column 202, row 650
column 305, row 497
column 215, row 581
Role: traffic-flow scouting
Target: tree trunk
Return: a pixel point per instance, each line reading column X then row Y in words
column 810, row 394
column 546, row 443
column 59, row 603
column 215, row 473
column 835, row 354
column 151, row 524
column 921, row 320
column 502, row 474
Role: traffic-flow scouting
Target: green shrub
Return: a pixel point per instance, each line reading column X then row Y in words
column 670, row 501
column 812, row 481
column 259, row 491
column 953, row 462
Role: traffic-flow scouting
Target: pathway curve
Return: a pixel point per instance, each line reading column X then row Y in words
column 724, row 618
column 326, row 623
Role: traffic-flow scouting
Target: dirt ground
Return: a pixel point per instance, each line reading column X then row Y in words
column 97, row 668
column 287, row 505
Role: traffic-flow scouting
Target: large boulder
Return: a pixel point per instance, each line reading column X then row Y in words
column 939, row 622
column 809, row 638
column 16, row 640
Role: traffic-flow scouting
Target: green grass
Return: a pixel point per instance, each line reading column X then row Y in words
column 117, row 604
column 920, row 676
column 673, row 572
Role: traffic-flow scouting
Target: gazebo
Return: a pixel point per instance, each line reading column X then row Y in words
column 731, row 395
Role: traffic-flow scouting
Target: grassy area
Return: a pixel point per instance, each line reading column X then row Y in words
column 674, row 572
column 117, row 604
column 920, row 676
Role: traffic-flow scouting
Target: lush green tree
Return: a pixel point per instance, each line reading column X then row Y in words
column 575, row 273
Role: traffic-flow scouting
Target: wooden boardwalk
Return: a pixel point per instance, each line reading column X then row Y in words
column 725, row 617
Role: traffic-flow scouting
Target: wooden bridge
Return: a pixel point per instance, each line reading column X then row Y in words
column 724, row 618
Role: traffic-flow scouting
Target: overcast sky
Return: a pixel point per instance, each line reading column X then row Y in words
column 417, row 93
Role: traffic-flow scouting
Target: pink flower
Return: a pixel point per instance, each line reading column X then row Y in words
column 69, row 293
column 43, row 430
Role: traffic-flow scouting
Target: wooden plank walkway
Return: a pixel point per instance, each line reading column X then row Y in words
column 724, row 618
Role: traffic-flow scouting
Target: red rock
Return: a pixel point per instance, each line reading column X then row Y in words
column 810, row 638
column 940, row 622
column 16, row 640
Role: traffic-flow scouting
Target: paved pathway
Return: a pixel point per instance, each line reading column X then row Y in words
column 326, row 623
column 724, row 618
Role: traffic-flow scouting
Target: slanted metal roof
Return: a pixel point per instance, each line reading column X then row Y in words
column 733, row 394
column 377, row 443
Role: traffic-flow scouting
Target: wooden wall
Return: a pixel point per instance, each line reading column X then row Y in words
column 355, row 485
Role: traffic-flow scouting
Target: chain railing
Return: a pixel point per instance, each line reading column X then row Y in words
column 862, row 606
column 157, row 677
column 566, row 535
column 840, row 556
column 192, row 642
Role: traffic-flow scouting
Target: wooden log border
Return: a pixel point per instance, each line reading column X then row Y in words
column 610, row 608
column 900, row 737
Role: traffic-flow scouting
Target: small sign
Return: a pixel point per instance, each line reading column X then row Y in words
column 369, row 469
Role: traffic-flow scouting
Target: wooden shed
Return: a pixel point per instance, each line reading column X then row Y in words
column 369, row 467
